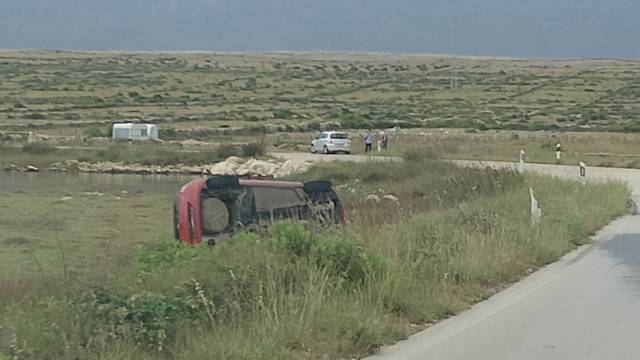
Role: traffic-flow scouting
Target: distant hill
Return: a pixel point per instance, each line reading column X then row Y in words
column 543, row 28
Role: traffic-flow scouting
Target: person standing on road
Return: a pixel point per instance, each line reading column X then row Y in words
column 385, row 141
column 368, row 141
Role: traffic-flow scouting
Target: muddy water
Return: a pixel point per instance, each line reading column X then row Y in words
column 74, row 182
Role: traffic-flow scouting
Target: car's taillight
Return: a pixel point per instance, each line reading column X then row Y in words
column 330, row 141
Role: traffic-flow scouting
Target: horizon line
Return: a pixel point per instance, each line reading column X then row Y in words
column 319, row 52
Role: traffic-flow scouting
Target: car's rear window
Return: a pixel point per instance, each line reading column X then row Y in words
column 339, row 136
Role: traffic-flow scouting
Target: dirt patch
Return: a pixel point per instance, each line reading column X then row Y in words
column 17, row 241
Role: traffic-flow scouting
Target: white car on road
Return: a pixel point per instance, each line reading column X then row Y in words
column 329, row 142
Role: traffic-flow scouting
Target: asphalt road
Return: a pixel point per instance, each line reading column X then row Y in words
column 585, row 306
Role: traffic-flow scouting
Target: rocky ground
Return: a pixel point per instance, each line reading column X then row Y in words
column 231, row 166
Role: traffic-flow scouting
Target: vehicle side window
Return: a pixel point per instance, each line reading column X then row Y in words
column 339, row 136
column 324, row 135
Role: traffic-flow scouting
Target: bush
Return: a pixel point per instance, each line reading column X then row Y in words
column 337, row 253
column 292, row 238
column 112, row 153
column 353, row 121
column 314, row 126
column 37, row 116
column 168, row 134
column 97, row 132
column 38, row 148
column 149, row 319
column 342, row 257
column 282, row 114
column 226, row 150
column 254, row 149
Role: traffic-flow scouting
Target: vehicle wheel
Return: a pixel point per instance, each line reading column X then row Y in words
column 325, row 150
column 347, row 152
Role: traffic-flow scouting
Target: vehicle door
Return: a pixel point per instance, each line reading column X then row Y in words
column 322, row 140
column 314, row 142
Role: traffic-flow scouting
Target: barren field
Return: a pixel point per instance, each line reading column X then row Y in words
column 204, row 96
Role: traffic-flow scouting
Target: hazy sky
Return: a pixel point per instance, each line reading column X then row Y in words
column 542, row 28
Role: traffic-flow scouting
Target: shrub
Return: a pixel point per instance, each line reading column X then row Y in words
column 292, row 237
column 168, row 134
column 282, row 114
column 353, row 121
column 341, row 256
column 254, row 149
column 337, row 253
column 314, row 126
column 38, row 148
column 37, row 116
column 149, row 319
column 112, row 153
column 226, row 150
column 97, row 132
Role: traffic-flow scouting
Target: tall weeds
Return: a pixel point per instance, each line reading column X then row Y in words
column 297, row 293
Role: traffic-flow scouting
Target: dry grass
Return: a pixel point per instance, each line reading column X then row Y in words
column 88, row 238
column 303, row 294
column 595, row 149
column 66, row 94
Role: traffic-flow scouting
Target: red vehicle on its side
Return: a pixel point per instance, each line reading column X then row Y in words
column 212, row 209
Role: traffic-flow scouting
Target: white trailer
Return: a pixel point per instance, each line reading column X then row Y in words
column 131, row 131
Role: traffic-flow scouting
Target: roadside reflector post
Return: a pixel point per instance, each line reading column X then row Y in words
column 536, row 212
column 523, row 156
column 583, row 169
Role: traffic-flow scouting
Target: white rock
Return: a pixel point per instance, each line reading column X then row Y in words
column 234, row 160
column 391, row 198
column 372, row 198
column 222, row 168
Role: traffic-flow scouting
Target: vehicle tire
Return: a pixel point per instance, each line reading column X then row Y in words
column 325, row 150
column 347, row 152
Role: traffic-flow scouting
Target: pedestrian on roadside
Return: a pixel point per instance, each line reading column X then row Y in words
column 368, row 141
column 385, row 141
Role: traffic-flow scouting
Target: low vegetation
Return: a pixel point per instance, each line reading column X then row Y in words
column 199, row 95
column 595, row 149
column 44, row 155
column 456, row 236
